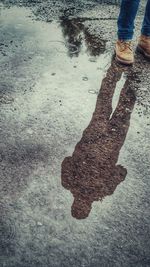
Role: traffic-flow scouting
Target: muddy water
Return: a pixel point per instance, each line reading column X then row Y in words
column 52, row 76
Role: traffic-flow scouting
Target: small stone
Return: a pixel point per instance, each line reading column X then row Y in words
column 39, row 224
column 92, row 59
column 29, row 131
column 127, row 109
column 93, row 92
column 85, row 78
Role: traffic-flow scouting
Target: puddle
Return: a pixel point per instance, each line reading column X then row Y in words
column 33, row 49
column 65, row 34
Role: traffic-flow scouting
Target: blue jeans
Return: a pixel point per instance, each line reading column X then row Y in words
column 127, row 16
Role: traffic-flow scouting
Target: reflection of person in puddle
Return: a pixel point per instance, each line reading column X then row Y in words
column 91, row 173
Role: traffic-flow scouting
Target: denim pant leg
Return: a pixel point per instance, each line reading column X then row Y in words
column 126, row 19
column 146, row 21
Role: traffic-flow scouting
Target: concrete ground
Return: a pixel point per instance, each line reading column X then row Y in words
column 74, row 147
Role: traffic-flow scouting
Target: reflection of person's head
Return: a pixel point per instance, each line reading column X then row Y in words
column 85, row 190
column 81, row 207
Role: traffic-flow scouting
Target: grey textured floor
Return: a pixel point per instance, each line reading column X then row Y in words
column 50, row 77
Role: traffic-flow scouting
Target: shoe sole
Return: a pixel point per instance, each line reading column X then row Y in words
column 141, row 51
column 124, row 62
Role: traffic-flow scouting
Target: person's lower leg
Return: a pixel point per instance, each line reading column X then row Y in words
column 146, row 22
column 126, row 19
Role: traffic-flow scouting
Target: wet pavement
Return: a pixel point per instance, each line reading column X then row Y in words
column 74, row 139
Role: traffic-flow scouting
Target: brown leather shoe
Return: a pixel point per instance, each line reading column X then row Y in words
column 124, row 52
column 144, row 46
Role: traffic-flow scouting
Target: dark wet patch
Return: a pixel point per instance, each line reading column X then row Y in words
column 17, row 163
column 92, row 173
column 7, row 237
column 75, row 33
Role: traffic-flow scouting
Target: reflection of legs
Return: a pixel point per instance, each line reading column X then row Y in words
column 103, row 107
column 126, row 19
column 146, row 21
column 104, row 101
column 120, row 120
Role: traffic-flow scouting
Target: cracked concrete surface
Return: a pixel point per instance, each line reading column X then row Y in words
column 54, row 65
